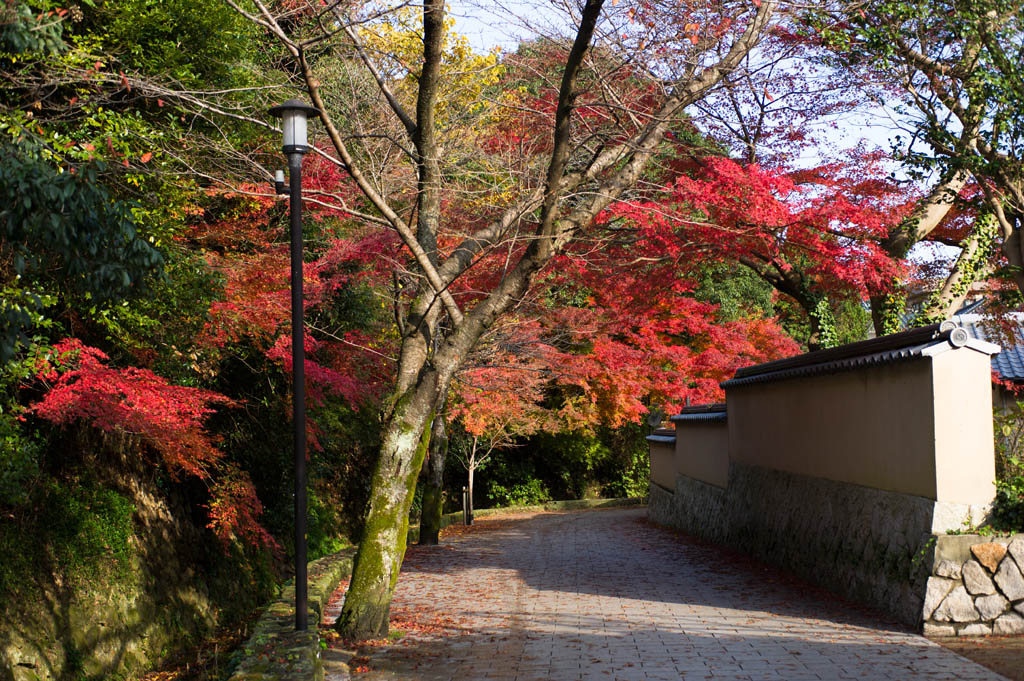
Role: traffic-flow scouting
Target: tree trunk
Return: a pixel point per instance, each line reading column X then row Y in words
column 973, row 263
column 887, row 310
column 433, row 484
column 379, row 558
column 469, row 497
column 469, row 489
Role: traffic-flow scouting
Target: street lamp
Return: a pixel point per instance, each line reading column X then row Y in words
column 293, row 115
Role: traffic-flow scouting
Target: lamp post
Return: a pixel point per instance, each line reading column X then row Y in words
column 293, row 115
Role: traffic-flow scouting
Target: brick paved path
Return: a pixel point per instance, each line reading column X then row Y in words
column 605, row 595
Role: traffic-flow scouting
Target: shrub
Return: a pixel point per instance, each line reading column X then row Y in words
column 1008, row 512
column 531, row 493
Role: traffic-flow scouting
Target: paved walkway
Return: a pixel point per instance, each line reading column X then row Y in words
column 605, row 595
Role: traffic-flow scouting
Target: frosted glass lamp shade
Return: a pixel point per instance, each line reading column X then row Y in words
column 294, row 124
column 294, row 114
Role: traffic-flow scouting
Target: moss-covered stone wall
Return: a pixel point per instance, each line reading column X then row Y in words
column 139, row 588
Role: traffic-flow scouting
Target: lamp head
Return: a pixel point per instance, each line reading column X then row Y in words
column 293, row 115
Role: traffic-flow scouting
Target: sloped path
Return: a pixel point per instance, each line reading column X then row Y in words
column 606, row 595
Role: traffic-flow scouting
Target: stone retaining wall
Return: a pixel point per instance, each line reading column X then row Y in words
column 976, row 586
column 869, row 545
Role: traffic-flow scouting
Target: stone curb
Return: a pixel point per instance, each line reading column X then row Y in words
column 275, row 651
column 570, row 505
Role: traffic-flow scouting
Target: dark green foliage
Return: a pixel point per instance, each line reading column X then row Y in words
column 609, row 463
column 160, row 327
column 1008, row 512
column 738, row 292
column 849, row 320
column 343, row 466
column 324, row 527
column 20, row 456
column 62, row 231
column 27, row 30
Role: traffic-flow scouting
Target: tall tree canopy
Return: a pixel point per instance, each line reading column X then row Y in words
column 512, row 219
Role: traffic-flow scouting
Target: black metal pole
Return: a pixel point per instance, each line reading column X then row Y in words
column 298, row 389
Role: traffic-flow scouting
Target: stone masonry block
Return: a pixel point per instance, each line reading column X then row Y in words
column 1010, row 623
column 1016, row 548
column 1010, row 580
column 989, row 554
column 992, row 606
column 976, row 579
column 976, row 629
column 957, row 607
column 938, row 588
column 954, row 547
column 949, row 569
column 933, row 629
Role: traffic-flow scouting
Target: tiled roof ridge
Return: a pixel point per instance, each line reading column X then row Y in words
column 1009, row 363
column 915, row 343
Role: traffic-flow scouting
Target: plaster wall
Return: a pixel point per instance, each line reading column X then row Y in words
column 873, row 427
column 663, row 467
column 702, row 452
column 964, row 450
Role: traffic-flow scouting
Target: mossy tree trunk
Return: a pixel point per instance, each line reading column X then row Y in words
column 382, row 548
column 888, row 307
column 433, row 483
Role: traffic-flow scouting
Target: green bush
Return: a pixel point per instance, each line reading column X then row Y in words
column 1008, row 511
column 324, row 528
column 609, row 463
column 19, row 462
column 531, row 493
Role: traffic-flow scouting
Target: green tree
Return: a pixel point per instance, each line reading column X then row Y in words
column 955, row 70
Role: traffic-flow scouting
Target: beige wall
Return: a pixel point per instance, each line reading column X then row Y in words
column 964, row 452
column 663, row 467
column 920, row 427
column 702, row 451
column 870, row 427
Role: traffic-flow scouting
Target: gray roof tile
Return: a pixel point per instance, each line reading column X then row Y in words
column 1009, row 363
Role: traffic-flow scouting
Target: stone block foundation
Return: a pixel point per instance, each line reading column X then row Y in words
column 875, row 547
column 976, row 586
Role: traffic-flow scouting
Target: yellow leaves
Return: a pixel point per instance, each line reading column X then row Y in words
column 396, row 45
